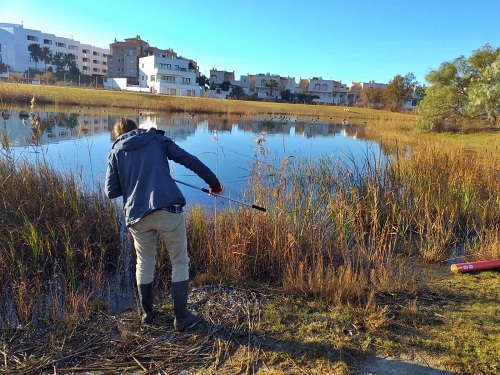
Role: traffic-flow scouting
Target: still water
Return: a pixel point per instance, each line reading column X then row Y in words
column 77, row 142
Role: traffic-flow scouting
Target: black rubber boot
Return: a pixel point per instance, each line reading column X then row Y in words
column 183, row 317
column 146, row 300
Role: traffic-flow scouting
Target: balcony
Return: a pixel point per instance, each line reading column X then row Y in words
column 173, row 69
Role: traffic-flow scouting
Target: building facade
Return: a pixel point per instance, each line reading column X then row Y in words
column 15, row 39
column 168, row 75
column 327, row 90
column 219, row 76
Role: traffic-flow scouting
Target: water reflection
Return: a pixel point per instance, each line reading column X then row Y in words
column 78, row 141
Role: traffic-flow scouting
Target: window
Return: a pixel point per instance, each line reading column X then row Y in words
column 168, row 78
column 95, row 53
column 186, row 80
column 33, row 38
column 104, row 63
column 263, row 82
column 152, row 78
column 85, row 67
column 86, row 59
column 85, row 51
column 59, row 44
column 96, row 69
column 74, row 48
column 316, row 86
column 47, row 41
column 95, row 61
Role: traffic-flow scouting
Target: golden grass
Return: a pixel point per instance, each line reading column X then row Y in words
column 74, row 96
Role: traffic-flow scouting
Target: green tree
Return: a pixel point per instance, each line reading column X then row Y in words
column 224, row 86
column 58, row 62
column 35, row 52
column 484, row 90
column 287, row 96
column 237, row 92
column 399, row 90
column 272, row 83
column 45, row 56
column 372, row 96
column 202, row 80
column 305, row 98
column 463, row 89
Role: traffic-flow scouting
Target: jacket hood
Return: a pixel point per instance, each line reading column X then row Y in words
column 135, row 139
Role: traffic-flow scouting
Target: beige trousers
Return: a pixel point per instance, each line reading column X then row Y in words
column 172, row 228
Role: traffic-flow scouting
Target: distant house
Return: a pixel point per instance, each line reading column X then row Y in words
column 329, row 91
column 123, row 59
column 168, row 75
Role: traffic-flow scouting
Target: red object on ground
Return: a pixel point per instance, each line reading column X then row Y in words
column 476, row 266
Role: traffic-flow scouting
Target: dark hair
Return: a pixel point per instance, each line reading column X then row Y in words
column 122, row 126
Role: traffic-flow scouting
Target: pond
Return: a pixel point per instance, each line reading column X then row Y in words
column 77, row 141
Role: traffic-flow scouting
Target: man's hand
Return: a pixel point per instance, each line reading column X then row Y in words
column 216, row 189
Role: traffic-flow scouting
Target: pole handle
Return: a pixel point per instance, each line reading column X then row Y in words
column 259, row 208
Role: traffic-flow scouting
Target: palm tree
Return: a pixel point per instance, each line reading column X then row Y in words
column 70, row 61
column 271, row 84
column 35, row 52
column 46, row 56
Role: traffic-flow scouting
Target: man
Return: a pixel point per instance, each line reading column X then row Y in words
column 138, row 170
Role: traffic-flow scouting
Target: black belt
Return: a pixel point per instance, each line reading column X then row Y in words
column 175, row 208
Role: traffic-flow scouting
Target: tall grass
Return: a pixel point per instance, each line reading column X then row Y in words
column 57, row 243
column 346, row 231
column 342, row 230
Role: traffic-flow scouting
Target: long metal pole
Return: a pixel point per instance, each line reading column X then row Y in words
column 223, row 196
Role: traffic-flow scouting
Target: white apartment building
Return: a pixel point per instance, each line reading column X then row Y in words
column 258, row 85
column 15, row 39
column 328, row 90
column 168, row 75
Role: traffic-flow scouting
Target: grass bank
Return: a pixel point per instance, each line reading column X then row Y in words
column 73, row 96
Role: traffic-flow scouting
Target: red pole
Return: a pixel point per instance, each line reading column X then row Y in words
column 475, row 266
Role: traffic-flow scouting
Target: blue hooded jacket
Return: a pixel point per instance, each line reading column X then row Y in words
column 138, row 170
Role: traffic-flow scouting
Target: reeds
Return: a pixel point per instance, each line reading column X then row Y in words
column 344, row 230
column 57, row 242
column 338, row 229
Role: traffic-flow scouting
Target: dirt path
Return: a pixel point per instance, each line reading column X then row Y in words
column 388, row 366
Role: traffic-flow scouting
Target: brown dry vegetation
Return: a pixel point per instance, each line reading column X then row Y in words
column 329, row 274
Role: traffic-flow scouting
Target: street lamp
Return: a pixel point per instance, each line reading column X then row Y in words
column 6, row 61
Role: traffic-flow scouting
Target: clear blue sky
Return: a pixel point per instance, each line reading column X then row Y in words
column 356, row 40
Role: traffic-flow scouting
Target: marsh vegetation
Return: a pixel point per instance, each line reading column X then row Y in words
column 340, row 255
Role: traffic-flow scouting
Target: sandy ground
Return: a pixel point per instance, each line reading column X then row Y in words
column 410, row 366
